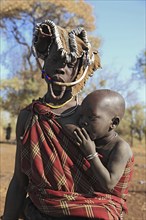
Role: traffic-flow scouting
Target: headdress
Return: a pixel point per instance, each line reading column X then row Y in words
column 71, row 44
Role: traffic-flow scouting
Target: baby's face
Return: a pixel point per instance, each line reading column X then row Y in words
column 95, row 119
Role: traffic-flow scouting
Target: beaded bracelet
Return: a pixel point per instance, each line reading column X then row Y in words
column 91, row 156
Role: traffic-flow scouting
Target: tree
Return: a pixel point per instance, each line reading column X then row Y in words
column 111, row 79
column 133, row 124
column 20, row 90
column 18, row 18
column 140, row 68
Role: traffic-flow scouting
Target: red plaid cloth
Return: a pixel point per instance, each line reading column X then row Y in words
column 121, row 189
column 60, row 182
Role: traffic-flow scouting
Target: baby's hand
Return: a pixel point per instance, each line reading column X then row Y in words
column 84, row 142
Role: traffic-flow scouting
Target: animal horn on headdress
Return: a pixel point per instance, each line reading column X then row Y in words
column 47, row 31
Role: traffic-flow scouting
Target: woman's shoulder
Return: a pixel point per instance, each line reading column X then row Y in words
column 23, row 119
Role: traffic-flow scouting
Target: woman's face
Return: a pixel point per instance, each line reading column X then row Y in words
column 56, row 68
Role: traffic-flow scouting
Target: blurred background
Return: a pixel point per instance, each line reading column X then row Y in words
column 115, row 28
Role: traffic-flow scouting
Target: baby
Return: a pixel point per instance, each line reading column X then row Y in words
column 109, row 155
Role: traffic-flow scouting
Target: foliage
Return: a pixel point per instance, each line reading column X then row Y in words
column 111, row 79
column 133, row 124
column 140, row 68
column 20, row 90
column 18, row 18
column 66, row 13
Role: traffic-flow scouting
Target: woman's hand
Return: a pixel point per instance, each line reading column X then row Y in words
column 84, row 141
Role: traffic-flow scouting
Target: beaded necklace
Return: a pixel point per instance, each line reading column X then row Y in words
column 59, row 106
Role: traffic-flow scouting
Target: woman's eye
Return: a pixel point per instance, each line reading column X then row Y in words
column 71, row 65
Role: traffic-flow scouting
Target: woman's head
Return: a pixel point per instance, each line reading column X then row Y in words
column 70, row 51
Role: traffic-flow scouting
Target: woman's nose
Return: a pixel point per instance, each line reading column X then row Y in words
column 60, row 71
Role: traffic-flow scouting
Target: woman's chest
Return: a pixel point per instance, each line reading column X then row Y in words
column 70, row 123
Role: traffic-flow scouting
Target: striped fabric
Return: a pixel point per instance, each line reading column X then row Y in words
column 60, row 181
column 121, row 189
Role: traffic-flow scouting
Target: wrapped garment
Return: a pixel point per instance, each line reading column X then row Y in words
column 60, row 179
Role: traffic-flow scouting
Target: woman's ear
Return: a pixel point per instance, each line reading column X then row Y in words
column 115, row 122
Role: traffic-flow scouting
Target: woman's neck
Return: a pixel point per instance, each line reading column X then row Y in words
column 65, row 104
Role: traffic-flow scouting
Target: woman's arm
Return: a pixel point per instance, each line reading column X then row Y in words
column 16, row 193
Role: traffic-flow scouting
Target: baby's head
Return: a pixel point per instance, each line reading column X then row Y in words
column 101, row 112
column 111, row 102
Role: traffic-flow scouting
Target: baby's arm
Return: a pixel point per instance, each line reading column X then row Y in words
column 107, row 176
column 83, row 140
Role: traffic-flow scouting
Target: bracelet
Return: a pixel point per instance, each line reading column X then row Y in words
column 91, row 156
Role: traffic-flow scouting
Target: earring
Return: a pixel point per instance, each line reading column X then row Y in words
column 43, row 72
column 46, row 76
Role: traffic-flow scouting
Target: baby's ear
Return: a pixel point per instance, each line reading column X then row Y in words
column 115, row 122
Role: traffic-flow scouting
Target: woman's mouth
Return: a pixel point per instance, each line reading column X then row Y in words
column 57, row 92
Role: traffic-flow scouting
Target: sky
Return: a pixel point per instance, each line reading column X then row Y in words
column 121, row 26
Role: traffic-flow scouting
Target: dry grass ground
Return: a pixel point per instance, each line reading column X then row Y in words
column 137, row 194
